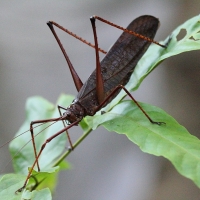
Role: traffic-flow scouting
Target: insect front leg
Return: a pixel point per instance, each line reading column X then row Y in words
column 44, row 145
column 64, row 124
column 32, row 134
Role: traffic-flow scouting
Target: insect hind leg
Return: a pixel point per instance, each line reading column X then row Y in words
column 132, row 98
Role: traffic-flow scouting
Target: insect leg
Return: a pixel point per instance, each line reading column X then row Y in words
column 99, row 78
column 32, row 134
column 128, row 31
column 77, row 81
column 64, row 124
column 44, row 144
column 119, row 87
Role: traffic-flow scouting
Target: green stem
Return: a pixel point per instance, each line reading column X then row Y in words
column 64, row 155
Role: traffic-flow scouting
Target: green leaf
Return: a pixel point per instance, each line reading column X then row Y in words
column 43, row 194
column 46, row 178
column 181, row 148
column 9, row 184
column 156, row 54
column 184, row 148
column 171, row 141
column 39, row 108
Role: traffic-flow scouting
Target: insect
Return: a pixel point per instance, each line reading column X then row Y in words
column 107, row 80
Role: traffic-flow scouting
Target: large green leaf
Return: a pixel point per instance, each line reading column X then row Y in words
column 10, row 183
column 183, row 150
column 170, row 140
column 36, row 195
column 39, row 108
column 155, row 54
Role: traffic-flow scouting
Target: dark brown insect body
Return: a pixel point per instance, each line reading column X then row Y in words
column 116, row 67
column 110, row 76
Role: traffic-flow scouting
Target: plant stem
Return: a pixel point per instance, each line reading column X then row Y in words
column 64, row 155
